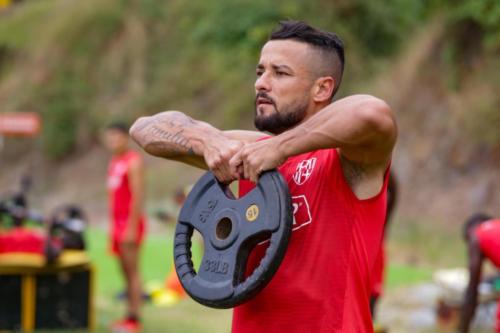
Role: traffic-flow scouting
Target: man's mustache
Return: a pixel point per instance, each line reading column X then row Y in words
column 264, row 95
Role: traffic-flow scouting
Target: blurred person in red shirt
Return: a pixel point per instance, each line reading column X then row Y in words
column 125, row 184
column 482, row 235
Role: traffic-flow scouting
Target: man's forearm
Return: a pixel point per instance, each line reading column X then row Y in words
column 174, row 135
column 349, row 123
column 468, row 310
column 169, row 134
column 471, row 294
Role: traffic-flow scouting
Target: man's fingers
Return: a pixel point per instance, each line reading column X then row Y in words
column 236, row 167
column 240, row 171
column 235, row 161
column 255, row 174
column 246, row 170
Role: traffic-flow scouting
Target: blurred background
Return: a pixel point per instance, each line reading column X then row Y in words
column 82, row 64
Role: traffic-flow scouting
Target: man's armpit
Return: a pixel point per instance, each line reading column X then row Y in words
column 353, row 172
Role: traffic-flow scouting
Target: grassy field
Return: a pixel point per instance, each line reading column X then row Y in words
column 157, row 262
column 186, row 316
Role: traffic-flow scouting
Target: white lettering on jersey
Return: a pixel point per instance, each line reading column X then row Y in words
column 301, row 212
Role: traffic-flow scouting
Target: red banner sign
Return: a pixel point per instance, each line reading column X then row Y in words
column 20, row 124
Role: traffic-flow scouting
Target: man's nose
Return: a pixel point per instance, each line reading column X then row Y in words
column 263, row 83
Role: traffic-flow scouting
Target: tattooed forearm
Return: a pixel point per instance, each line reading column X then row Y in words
column 175, row 137
column 169, row 128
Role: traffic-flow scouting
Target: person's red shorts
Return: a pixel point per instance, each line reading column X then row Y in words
column 118, row 231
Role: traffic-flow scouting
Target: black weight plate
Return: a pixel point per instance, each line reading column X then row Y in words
column 231, row 228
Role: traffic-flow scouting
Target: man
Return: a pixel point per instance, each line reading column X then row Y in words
column 335, row 158
column 126, row 192
column 482, row 235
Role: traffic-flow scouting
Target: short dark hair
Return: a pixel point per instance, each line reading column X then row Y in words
column 474, row 221
column 330, row 45
column 120, row 126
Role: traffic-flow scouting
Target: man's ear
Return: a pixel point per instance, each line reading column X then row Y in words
column 323, row 89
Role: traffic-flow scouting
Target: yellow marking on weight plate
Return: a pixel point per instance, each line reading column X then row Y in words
column 252, row 213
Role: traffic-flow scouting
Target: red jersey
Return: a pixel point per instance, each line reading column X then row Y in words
column 120, row 197
column 324, row 282
column 488, row 234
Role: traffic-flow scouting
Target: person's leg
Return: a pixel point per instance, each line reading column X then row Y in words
column 130, row 263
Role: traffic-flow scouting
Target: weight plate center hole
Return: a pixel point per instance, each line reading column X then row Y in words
column 223, row 228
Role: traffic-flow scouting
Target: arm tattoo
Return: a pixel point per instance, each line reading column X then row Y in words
column 175, row 137
column 166, row 133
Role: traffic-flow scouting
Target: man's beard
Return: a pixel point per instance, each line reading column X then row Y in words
column 281, row 119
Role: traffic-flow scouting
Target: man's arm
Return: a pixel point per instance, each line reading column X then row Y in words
column 362, row 127
column 136, row 181
column 470, row 301
column 176, row 136
column 245, row 136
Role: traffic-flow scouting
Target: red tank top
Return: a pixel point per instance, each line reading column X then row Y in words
column 323, row 283
column 120, row 196
column 488, row 234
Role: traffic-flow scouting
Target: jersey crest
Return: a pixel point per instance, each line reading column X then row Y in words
column 304, row 171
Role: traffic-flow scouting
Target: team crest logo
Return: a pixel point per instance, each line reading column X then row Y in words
column 304, row 170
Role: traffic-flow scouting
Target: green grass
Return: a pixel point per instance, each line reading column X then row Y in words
column 156, row 260
column 156, row 263
column 186, row 316
column 400, row 275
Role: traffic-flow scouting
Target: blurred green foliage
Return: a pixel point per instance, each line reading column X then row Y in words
column 484, row 13
column 81, row 63
column 471, row 51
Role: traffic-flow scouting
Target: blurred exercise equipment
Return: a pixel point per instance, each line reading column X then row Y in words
column 46, row 278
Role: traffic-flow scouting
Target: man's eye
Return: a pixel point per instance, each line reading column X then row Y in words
column 279, row 73
column 259, row 73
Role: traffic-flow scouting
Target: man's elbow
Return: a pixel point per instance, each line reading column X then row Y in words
column 137, row 130
column 378, row 116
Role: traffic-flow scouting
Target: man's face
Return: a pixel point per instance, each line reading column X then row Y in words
column 115, row 141
column 283, row 85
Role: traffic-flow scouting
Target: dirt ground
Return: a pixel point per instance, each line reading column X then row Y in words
column 415, row 309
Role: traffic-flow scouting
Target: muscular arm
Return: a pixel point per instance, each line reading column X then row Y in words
column 245, row 136
column 176, row 136
column 362, row 127
column 470, row 302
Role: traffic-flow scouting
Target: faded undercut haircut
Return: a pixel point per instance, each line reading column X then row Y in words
column 328, row 44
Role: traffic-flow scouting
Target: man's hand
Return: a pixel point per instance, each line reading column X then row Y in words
column 217, row 153
column 255, row 158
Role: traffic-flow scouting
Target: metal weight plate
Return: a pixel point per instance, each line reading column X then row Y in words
column 231, row 228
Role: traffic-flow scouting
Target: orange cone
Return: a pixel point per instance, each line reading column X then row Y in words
column 172, row 283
